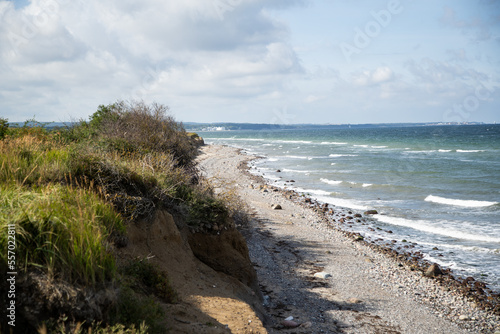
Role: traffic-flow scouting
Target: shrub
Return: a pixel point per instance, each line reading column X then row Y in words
column 4, row 126
column 139, row 128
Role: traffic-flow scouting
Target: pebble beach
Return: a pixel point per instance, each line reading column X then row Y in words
column 316, row 277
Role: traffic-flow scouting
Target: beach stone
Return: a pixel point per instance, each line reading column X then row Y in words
column 433, row 271
column 289, row 324
column 371, row 212
column 463, row 317
column 322, row 274
column 354, row 301
column 276, row 207
column 306, row 325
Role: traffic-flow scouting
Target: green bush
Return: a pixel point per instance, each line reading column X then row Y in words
column 139, row 128
column 4, row 126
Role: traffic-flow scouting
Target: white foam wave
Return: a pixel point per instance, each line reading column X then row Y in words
column 342, row 155
column 424, row 226
column 421, row 152
column 332, row 182
column 367, row 185
column 239, row 139
column 296, row 171
column 360, row 145
column 294, row 141
column 312, row 191
column 458, row 202
column 297, row 157
column 342, row 202
column 469, row 151
column 332, row 143
column 444, row 151
column 453, row 247
column 379, row 146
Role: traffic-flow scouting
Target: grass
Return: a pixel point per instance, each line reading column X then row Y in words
column 68, row 191
column 148, row 278
column 61, row 229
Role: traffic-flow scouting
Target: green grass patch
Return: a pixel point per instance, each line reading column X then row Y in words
column 134, row 309
column 60, row 229
column 150, row 279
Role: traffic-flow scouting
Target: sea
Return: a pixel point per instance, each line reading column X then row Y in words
column 436, row 187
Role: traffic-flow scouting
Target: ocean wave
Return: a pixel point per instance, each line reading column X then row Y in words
column 296, row 171
column 342, row 202
column 332, row 143
column 470, row 151
column 459, row 202
column 444, row 151
column 367, row 185
column 312, row 191
column 236, row 139
column 342, row 155
column 423, row 226
column 421, row 152
column 297, row 157
column 379, row 146
column 294, row 141
column 332, row 182
column 360, row 145
column 461, row 248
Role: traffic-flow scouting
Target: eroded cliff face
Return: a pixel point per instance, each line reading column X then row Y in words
column 215, row 282
column 212, row 274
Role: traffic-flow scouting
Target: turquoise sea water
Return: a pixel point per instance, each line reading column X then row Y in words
column 438, row 187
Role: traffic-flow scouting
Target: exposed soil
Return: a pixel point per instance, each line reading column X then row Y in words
column 211, row 301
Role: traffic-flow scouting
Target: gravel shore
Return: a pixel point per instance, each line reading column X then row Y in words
column 330, row 281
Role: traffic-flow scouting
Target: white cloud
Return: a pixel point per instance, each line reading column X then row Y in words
column 62, row 58
column 96, row 52
column 378, row 76
column 313, row 98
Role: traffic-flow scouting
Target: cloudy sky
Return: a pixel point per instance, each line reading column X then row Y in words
column 260, row 61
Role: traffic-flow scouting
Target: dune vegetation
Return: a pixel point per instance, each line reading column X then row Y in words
column 70, row 194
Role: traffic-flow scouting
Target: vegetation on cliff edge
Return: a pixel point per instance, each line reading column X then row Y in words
column 70, row 193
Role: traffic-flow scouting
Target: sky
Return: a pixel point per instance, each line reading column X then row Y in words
column 253, row 61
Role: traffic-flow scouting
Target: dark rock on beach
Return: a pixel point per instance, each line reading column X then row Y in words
column 433, row 271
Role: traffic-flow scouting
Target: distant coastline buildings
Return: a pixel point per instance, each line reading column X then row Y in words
column 214, row 128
